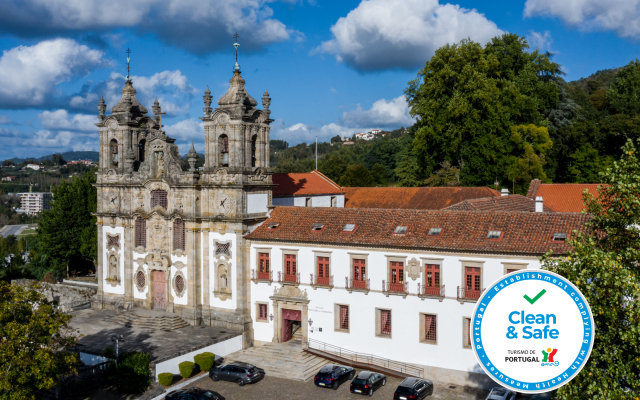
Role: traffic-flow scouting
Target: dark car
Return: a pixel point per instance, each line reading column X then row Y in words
column 193, row 394
column 237, row 372
column 413, row 389
column 332, row 375
column 501, row 393
column 366, row 382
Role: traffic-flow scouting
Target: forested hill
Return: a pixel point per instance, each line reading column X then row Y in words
column 532, row 125
column 67, row 156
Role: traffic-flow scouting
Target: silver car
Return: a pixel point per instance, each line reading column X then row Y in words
column 501, row 394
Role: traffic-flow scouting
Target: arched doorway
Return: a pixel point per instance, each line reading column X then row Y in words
column 159, row 291
column 291, row 322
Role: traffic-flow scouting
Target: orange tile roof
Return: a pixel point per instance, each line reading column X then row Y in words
column 420, row 198
column 514, row 202
column 304, row 184
column 462, row 231
column 562, row 197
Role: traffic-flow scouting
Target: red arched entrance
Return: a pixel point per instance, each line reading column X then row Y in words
column 290, row 319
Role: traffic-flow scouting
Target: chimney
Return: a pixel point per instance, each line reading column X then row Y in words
column 504, row 192
column 539, row 204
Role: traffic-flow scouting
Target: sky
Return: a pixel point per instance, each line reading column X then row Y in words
column 330, row 67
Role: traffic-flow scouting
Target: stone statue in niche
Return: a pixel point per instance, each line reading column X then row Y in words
column 159, row 155
column 113, row 267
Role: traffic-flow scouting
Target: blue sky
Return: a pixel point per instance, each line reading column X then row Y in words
column 331, row 67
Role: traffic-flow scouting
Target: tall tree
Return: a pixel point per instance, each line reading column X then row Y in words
column 604, row 265
column 623, row 97
column 67, row 233
column 356, row 176
column 35, row 342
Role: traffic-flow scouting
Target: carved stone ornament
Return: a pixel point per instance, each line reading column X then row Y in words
column 414, row 269
column 179, row 252
column 113, row 241
column 140, row 201
column 178, row 203
column 157, row 262
column 140, row 278
column 178, row 264
column 111, row 198
column 290, row 291
column 221, row 177
column 112, row 222
column 155, row 185
column 157, row 234
column 221, row 119
column 179, row 283
column 259, row 175
column 112, row 272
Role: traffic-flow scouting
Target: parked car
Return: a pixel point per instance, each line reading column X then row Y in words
column 413, row 389
column 236, row 371
column 193, row 394
column 332, row 375
column 366, row 382
column 501, row 393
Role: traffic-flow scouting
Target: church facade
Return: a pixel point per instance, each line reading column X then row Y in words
column 170, row 237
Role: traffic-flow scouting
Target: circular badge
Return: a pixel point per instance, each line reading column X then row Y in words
column 532, row 331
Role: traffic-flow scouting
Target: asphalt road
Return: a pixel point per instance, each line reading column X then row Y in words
column 12, row 230
column 283, row 389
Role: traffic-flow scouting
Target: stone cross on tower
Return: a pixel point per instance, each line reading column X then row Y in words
column 236, row 45
column 128, row 67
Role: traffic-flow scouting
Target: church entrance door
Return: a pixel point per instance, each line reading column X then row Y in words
column 290, row 320
column 159, row 290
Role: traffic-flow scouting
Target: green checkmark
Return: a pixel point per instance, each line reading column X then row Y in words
column 530, row 300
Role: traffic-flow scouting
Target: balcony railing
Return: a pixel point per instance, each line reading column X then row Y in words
column 317, row 281
column 289, row 278
column 431, row 291
column 395, row 288
column 353, row 284
column 468, row 294
column 261, row 276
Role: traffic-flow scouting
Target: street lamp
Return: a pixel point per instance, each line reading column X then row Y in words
column 117, row 339
column 271, row 317
column 310, row 322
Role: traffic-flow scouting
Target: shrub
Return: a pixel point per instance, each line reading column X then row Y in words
column 205, row 361
column 109, row 352
column 132, row 373
column 186, row 368
column 165, row 378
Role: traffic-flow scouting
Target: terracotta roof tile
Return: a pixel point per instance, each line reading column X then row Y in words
column 513, row 202
column 420, row 198
column 462, row 231
column 562, row 197
column 304, row 184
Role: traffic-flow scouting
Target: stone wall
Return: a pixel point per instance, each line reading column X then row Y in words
column 70, row 297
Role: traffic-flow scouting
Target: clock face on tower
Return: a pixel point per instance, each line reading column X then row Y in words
column 223, row 204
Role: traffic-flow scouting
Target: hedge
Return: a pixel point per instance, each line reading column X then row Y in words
column 165, row 379
column 205, row 360
column 132, row 373
column 186, row 368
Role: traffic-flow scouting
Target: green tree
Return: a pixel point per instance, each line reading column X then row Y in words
column 35, row 342
column 379, row 174
column 623, row 97
column 336, row 139
column 529, row 144
column 407, row 170
column 67, row 233
column 604, row 266
column 333, row 167
column 356, row 176
column 445, row 176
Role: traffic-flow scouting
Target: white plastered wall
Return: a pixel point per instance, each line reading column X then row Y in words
column 106, row 286
column 316, row 201
column 404, row 344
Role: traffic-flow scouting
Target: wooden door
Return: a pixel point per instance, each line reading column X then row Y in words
column 159, row 290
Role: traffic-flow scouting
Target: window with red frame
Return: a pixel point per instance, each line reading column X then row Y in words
column 432, row 277
column 472, row 278
column 323, row 270
column 359, row 270
column 385, row 322
column 397, row 272
column 290, row 264
column 263, row 260
column 430, row 328
column 344, row 317
column 262, row 312
column 141, row 232
column 511, row 270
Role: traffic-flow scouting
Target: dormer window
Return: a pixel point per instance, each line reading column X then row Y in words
column 400, row 230
column 494, row 234
column 317, row 227
column 559, row 237
column 273, row 225
column 349, row 228
column 435, row 231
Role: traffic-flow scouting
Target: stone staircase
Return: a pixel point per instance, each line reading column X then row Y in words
column 282, row 360
column 150, row 320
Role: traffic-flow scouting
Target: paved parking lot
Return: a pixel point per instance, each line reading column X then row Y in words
column 283, row 389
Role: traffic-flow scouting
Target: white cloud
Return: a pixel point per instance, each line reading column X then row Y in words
column 29, row 74
column 196, row 25
column 59, row 119
column 381, row 34
column 4, row 120
column 299, row 132
column 540, row 40
column 620, row 16
column 185, row 132
column 383, row 114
